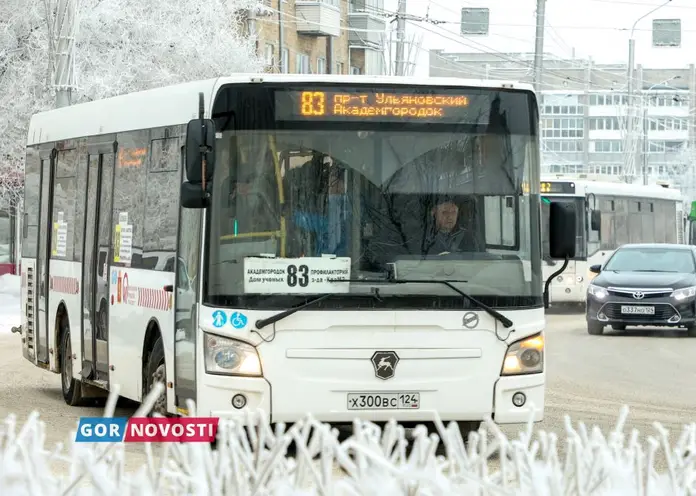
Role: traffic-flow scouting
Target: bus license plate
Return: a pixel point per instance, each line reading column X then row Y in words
column 383, row 401
column 640, row 310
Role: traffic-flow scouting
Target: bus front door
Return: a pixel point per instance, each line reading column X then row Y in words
column 95, row 272
column 42, row 262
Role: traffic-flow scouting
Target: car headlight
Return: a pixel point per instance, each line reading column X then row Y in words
column 684, row 293
column 525, row 356
column 597, row 291
column 229, row 356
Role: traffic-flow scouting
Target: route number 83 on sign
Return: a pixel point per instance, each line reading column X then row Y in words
column 298, row 274
column 306, row 275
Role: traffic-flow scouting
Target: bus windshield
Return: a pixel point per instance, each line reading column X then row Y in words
column 580, row 238
column 417, row 200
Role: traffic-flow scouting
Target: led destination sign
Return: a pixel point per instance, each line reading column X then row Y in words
column 378, row 105
column 558, row 187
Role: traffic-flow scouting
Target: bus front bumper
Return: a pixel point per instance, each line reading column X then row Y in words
column 219, row 396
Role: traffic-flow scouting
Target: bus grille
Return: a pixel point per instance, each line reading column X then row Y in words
column 29, row 310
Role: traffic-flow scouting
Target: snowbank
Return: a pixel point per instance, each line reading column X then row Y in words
column 371, row 462
column 9, row 302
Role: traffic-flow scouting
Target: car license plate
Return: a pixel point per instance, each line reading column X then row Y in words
column 640, row 310
column 383, row 401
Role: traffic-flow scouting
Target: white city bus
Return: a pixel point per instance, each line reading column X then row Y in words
column 288, row 263
column 623, row 213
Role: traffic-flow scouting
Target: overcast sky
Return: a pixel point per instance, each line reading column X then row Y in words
column 596, row 28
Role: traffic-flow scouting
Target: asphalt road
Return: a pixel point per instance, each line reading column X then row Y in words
column 590, row 378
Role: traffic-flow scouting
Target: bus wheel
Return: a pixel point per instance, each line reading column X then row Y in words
column 72, row 389
column 156, row 372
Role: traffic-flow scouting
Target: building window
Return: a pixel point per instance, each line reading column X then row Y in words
column 563, row 128
column 284, row 61
column 339, row 68
column 570, row 146
column 354, row 71
column 269, row 54
column 321, row 65
column 607, row 146
column 302, row 64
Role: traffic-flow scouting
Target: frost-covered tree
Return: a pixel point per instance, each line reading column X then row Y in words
column 121, row 46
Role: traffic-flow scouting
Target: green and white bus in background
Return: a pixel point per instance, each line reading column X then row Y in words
column 609, row 214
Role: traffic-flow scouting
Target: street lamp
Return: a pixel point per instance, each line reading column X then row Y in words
column 631, row 63
column 644, row 105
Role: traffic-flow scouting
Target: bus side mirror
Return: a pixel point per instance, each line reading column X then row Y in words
column 596, row 269
column 595, row 220
column 200, row 144
column 193, row 196
column 562, row 229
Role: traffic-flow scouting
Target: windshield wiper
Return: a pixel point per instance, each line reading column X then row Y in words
column 507, row 323
column 286, row 313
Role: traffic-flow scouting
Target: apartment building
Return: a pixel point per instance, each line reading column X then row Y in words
column 321, row 36
column 585, row 113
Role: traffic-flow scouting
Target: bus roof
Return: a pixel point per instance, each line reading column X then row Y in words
column 584, row 187
column 177, row 104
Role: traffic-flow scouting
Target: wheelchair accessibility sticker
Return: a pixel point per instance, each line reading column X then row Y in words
column 238, row 320
column 219, row 318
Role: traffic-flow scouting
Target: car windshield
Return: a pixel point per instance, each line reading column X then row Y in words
column 651, row 260
column 361, row 201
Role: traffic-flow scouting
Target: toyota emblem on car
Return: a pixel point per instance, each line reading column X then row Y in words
column 638, row 295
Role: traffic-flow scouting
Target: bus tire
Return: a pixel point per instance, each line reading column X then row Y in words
column 71, row 387
column 156, row 371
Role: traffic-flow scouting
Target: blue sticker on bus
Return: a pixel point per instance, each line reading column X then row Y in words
column 114, row 277
column 238, row 320
column 219, row 318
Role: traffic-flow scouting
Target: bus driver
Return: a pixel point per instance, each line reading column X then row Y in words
column 449, row 236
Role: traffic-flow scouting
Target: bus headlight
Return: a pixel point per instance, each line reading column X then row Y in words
column 525, row 357
column 231, row 357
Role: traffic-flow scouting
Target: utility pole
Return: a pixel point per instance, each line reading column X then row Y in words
column 64, row 27
column 539, row 44
column 692, row 130
column 630, row 87
column 400, row 64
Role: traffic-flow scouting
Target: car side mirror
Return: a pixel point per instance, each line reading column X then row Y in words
column 595, row 220
column 596, row 269
column 562, row 229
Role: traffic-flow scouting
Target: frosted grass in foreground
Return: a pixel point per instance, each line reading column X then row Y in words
column 253, row 460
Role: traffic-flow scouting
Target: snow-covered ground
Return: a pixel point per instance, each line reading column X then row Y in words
column 9, row 302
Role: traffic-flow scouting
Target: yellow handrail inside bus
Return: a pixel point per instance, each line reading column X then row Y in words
column 282, row 233
column 281, row 192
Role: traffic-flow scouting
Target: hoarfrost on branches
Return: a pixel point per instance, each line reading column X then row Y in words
column 121, row 46
column 253, row 457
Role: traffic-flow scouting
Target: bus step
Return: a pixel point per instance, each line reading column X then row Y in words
column 96, row 382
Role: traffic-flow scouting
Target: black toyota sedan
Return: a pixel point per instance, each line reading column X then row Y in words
column 651, row 285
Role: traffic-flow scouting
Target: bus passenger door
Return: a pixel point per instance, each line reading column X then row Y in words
column 95, row 294
column 43, row 276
